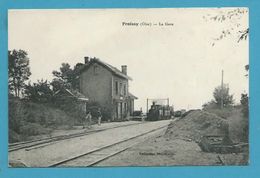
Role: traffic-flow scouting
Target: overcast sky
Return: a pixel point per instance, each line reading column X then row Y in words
column 176, row 62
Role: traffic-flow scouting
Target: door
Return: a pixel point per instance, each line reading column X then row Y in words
column 121, row 110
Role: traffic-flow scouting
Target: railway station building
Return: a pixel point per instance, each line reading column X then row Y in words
column 102, row 83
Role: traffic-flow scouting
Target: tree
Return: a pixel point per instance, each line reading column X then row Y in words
column 67, row 77
column 18, row 71
column 244, row 103
column 38, row 92
column 63, row 77
column 233, row 17
column 57, row 84
column 222, row 94
column 244, row 98
column 76, row 72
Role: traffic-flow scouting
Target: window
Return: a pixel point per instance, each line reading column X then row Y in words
column 125, row 109
column 121, row 89
column 125, row 89
column 116, row 88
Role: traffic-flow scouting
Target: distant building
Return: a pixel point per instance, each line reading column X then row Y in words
column 105, row 84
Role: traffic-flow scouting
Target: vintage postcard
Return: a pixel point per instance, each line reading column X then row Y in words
column 128, row 87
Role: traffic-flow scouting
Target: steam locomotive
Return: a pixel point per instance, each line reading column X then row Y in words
column 159, row 112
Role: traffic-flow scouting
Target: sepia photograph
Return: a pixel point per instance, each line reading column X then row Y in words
column 128, row 87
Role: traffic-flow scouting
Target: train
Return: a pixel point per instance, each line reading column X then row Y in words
column 160, row 112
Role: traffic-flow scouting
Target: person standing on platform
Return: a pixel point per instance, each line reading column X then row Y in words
column 99, row 116
column 88, row 120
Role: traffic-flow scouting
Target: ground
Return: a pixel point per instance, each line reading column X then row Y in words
column 178, row 144
column 162, row 151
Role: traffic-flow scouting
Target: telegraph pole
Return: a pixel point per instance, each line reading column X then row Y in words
column 222, row 97
column 147, row 105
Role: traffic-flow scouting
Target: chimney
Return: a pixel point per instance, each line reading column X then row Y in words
column 124, row 69
column 86, row 59
column 93, row 59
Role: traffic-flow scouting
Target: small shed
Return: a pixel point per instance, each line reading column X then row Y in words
column 64, row 95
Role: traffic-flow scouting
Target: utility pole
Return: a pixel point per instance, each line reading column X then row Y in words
column 222, row 97
column 147, row 106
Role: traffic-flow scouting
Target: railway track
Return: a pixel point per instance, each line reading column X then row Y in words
column 33, row 144
column 93, row 157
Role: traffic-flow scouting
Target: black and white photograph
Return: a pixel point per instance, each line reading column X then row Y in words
column 128, row 87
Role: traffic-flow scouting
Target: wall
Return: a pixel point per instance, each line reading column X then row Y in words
column 99, row 84
column 119, row 80
column 120, row 98
column 95, row 83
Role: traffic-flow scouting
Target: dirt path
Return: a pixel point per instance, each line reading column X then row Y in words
column 161, row 151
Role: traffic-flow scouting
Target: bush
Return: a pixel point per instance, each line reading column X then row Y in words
column 224, row 113
column 212, row 107
column 32, row 129
column 245, row 111
column 106, row 113
column 13, row 136
column 72, row 107
column 15, row 111
column 30, row 119
column 93, row 108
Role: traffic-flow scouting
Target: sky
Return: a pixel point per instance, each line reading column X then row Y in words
column 177, row 61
